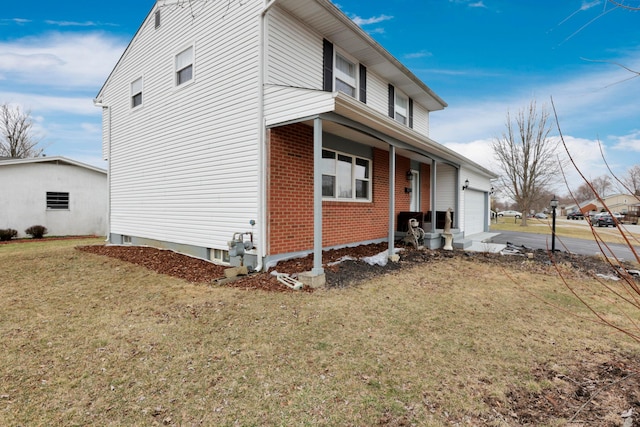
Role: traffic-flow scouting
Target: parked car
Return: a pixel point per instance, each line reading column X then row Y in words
column 510, row 213
column 619, row 217
column 540, row 215
column 575, row 215
column 602, row 219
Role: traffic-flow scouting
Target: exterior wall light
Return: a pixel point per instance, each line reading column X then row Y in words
column 466, row 184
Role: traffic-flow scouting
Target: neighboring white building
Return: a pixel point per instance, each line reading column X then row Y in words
column 69, row 198
column 281, row 118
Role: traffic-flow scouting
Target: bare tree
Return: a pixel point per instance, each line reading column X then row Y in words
column 527, row 156
column 583, row 193
column 17, row 139
column 631, row 180
column 602, row 185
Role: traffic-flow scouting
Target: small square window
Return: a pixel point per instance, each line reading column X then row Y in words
column 184, row 66
column 136, row 93
column 57, row 200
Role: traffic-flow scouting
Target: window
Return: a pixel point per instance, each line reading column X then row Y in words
column 157, row 18
column 401, row 108
column 184, row 66
column 136, row 93
column 221, row 256
column 345, row 76
column 57, row 200
column 345, row 177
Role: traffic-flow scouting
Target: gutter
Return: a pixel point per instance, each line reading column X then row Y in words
column 262, row 173
column 97, row 102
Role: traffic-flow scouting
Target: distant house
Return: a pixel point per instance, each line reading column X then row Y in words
column 66, row 196
column 285, row 120
column 622, row 203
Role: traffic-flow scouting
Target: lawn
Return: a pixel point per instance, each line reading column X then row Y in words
column 566, row 228
column 91, row 340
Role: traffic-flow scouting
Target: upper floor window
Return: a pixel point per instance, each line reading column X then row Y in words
column 345, row 177
column 157, row 19
column 136, row 93
column 184, row 66
column 401, row 108
column 345, row 76
column 57, row 200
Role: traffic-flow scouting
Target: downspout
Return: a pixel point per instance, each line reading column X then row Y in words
column 98, row 103
column 262, row 178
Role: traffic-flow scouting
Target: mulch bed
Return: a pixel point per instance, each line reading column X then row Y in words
column 338, row 275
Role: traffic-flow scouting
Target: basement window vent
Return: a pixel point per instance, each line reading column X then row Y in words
column 220, row 255
column 126, row 240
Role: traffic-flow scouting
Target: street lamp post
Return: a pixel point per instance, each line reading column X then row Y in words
column 554, row 205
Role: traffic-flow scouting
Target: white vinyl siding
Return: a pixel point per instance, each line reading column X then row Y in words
column 295, row 53
column 185, row 168
column 420, row 119
column 377, row 93
column 446, row 187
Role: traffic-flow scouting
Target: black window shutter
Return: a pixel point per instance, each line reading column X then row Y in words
column 392, row 102
column 411, row 113
column 327, row 63
column 363, row 83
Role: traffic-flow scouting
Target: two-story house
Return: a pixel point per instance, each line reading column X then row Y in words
column 281, row 118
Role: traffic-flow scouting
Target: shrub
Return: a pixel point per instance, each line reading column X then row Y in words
column 36, row 231
column 7, row 234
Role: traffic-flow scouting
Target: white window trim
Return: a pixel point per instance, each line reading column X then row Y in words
column 132, row 94
column 396, row 107
column 353, row 198
column 184, row 48
column 337, row 73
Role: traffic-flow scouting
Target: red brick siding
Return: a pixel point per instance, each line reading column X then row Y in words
column 290, row 196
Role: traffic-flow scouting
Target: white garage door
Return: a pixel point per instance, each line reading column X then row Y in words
column 474, row 212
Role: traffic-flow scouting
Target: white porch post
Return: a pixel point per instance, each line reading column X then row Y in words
column 432, row 205
column 317, row 197
column 392, row 198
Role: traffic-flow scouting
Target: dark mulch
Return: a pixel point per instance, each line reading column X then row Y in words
column 338, row 275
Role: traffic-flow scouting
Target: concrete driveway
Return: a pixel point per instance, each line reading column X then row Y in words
column 573, row 245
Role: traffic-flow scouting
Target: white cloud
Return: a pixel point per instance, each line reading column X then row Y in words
column 72, row 23
column 421, row 54
column 628, row 143
column 60, row 59
column 368, row 21
column 40, row 104
column 478, row 4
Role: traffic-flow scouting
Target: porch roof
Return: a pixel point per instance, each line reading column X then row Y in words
column 347, row 117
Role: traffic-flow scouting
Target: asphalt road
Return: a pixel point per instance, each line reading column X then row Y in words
column 573, row 245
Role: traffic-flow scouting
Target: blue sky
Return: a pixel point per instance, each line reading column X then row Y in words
column 483, row 57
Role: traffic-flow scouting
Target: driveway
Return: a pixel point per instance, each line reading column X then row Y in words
column 573, row 245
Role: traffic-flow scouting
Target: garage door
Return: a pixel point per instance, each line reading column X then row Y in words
column 474, row 212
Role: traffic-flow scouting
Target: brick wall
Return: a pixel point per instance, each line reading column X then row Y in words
column 290, row 196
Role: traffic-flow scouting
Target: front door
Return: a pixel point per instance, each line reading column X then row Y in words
column 414, row 205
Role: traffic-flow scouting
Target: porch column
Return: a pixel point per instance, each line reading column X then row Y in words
column 317, row 197
column 432, row 204
column 392, row 198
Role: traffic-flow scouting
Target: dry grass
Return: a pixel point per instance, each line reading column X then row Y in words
column 93, row 340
